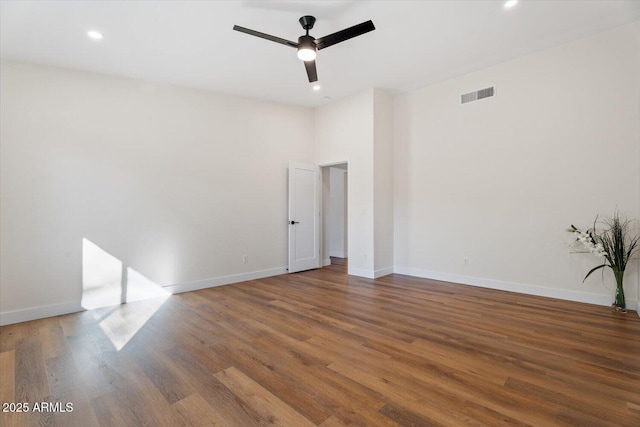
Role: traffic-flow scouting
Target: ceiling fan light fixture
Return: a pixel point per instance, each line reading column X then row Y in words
column 306, row 48
column 306, row 53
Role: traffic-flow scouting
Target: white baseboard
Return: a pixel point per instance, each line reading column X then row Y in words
column 27, row 314
column 361, row 272
column 383, row 272
column 370, row 274
column 578, row 296
column 326, row 262
column 224, row 280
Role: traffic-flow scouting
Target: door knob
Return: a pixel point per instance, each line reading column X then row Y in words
column 294, row 222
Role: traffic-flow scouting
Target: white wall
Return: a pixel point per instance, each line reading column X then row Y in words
column 177, row 184
column 498, row 181
column 344, row 133
column 338, row 213
column 383, row 182
column 359, row 129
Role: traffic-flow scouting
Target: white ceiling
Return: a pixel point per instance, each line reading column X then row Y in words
column 191, row 43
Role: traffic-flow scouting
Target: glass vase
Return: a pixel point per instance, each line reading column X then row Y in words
column 619, row 303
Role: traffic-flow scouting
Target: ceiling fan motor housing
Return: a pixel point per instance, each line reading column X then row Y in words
column 307, row 42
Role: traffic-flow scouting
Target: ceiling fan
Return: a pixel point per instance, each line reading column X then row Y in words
column 308, row 45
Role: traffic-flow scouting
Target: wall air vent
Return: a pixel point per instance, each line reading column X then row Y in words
column 479, row 94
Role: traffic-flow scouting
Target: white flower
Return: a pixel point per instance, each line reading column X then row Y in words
column 587, row 241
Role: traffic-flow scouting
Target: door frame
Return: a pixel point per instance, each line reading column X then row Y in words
column 324, row 169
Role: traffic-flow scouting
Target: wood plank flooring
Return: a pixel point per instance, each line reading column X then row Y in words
column 320, row 348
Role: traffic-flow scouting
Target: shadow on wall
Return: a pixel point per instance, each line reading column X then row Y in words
column 106, row 282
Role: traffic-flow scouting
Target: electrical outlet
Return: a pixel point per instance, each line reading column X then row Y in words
column 245, row 259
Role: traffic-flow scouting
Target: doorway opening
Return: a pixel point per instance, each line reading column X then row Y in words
column 335, row 214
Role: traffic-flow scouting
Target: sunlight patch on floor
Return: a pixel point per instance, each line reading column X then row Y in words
column 106, row 282
column 125, row 322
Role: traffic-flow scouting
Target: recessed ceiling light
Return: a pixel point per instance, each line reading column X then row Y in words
column 509, row 4
column 316, row 87
column 94, row 35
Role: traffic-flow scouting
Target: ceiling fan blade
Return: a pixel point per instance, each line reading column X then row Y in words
column 345, row 34
column 311, row 70
column 265, row 36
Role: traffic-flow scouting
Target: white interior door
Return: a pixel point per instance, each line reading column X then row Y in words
column 304, row 217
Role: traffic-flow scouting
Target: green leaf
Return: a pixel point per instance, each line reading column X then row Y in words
column 594, row 269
